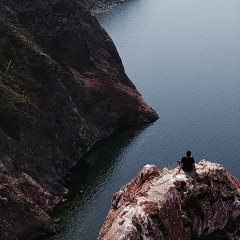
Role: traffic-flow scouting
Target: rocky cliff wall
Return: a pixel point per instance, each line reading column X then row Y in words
column 62, row 88
column 164, row 205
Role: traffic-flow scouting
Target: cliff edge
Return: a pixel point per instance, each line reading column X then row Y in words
column 62, row 88
column 161, row 205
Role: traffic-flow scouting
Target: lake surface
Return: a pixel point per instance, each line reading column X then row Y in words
column 184, row 58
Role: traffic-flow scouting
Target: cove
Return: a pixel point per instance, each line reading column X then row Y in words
column 184, row 58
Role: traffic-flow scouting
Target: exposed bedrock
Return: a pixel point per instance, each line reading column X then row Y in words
column 164, row 205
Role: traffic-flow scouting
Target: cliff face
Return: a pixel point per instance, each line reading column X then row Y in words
column 160, row 205
column 62, row 88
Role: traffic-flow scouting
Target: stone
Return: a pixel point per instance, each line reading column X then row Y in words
column 162, row 204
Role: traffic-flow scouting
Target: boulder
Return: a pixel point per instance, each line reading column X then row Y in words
column 162, row 204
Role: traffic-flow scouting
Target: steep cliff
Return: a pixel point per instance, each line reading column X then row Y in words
column 160, row 205
column 62, row 88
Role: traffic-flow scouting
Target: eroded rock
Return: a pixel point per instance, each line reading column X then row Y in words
column 165, row 205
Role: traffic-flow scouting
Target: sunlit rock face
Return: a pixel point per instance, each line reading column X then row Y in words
column 62, row 88
column 160, row 205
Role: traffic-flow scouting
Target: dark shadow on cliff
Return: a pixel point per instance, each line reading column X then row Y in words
column 95, row 168
column 103, row 156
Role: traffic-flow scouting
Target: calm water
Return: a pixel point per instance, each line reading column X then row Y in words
column 184, row 58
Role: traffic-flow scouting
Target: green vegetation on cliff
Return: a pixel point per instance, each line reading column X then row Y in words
column 17, row 82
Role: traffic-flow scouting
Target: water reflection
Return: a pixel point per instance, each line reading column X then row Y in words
column 91, row 185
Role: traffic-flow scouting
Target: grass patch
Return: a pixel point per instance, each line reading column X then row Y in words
column 16, row 54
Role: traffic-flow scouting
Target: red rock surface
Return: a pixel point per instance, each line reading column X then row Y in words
column 160, row 205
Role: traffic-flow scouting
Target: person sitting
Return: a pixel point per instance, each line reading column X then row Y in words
column 187, row 164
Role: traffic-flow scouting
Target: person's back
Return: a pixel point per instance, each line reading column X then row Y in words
column 187, row 163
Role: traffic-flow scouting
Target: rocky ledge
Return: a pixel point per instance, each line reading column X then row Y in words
column 62, row 88
column 161, row 205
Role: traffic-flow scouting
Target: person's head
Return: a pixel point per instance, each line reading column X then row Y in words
column 188, row 153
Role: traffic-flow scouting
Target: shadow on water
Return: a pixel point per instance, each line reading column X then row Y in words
column 90, row 182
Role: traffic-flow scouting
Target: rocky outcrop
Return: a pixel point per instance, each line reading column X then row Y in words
column 160, row 205
column 62, row 88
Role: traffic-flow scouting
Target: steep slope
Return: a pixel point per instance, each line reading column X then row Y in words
column 160, row 205
column 62, row 88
